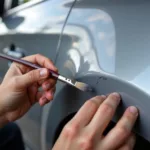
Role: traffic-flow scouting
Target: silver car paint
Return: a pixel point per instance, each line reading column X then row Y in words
column 105, row 44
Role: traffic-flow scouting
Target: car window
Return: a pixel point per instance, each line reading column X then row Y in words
column 9, row 4
column 16, row 3
column 23, row 1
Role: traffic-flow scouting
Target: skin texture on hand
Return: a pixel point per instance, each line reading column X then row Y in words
column 20, row 88
column 85, row 130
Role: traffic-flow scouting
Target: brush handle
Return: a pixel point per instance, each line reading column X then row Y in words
column 27, row 63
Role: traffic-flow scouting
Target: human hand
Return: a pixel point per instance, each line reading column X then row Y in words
column 129, row 143
column 20, row 88
column 85, row 130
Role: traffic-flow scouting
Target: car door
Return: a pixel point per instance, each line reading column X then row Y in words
column 31, row 28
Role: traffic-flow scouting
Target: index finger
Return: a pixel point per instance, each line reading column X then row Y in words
column 41, row 60
column 88, row 110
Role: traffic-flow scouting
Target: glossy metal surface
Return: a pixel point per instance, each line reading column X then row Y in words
column 105, row 44
column 113, row 38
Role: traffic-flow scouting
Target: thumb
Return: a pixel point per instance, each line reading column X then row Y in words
column 32, row 77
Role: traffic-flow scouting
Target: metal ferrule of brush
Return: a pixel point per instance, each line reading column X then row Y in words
column 66, row 80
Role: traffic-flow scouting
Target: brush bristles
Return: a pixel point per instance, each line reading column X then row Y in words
column 83, row 86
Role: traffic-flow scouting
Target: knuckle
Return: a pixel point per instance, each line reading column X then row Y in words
column 70, row 130
column 38, row 55
column 123, row 132
column 107, row 108
column 91, row 103
column 86, row 143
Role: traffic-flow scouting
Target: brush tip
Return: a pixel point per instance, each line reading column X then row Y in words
column 84, row 87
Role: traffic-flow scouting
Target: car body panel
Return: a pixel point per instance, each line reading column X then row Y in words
column 105, row 44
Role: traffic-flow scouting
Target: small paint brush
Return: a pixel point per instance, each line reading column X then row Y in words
column 79, row 85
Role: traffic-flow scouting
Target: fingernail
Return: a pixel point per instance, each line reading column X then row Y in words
column 116, row 95
column 103, row 96
column 133, row 110
column 43, row 72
